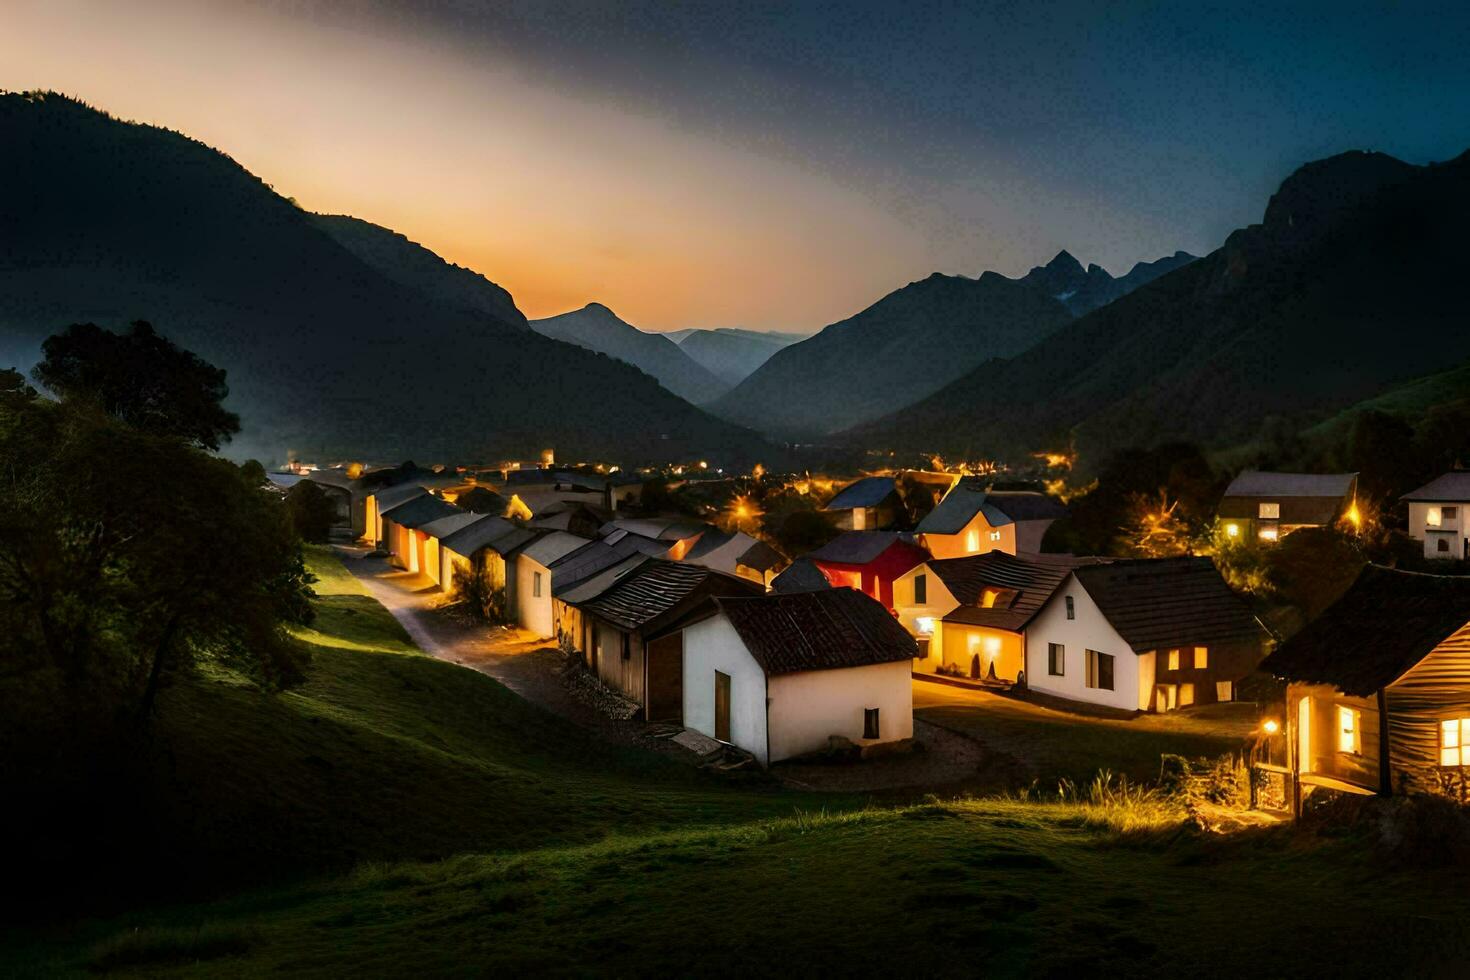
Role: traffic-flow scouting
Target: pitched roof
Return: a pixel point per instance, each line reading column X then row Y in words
column 1383, row 625
column 1255, row 483
column 1023, row 584
column 496, row 532
column 1155, row 603
column 870, row 491
column 969, row 497
column 393, row 496
column 761, row 557
column 419, row 511
column 859, row 547
column 596, row 556
column 549, row 547
column 824, row 630
column 801, row 575
column 1450, row 488
column 592, row 585
column 661, row 528
column 655, row 588
column 445, row 526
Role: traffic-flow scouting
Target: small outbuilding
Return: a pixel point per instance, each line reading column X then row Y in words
column 869, row 504
column 533, row 575
column 1438, row 516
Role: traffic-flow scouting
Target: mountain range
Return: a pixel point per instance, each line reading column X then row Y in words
column 341, row 339
column 731, row 353
column 1351, row 284
column 598, row 328
column 916, row 340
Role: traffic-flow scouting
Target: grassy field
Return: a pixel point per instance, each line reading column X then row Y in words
column 411, row 816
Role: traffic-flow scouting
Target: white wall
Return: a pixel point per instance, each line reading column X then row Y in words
column 1089, row 631
column 530, row 612
column 808, row 707
column 1457, row 529
column 712, row 645
column 958, row 545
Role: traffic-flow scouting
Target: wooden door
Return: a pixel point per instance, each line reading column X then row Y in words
column 722, row 706
column 665, row 657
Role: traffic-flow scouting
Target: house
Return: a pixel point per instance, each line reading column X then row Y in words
column 972, row 520
column 618, row 622
column 533, row 579
column 736, row 553
column 403, row 536
column 679, row 533
column 486, row 549
column 381, row 499
column 573, row 517
column 1378, row 688
column 588, row 572
column 1269, row 506
column 1438, row 515
column 780, row 675
column 868, row 561
column 971, row 613
column 434, row 533
column 1150, row 634
column 866, row 505
column 802, row 575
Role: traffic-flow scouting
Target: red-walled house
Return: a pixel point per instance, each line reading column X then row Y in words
column 868, row 561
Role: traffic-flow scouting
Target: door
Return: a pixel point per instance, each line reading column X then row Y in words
column 1304, row 735
column 722, row 706
column 666, row 678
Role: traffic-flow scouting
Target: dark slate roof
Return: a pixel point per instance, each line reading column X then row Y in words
column 419, row 511
column 663, row 528
column 1024, row 583
column 859, row 547
column 491, row 531
column 1449, row 488
column 870, row 491
column 1156, row 603
column 445, row 526
column 801, row 575
column 824, row 630
column 1384, row 624
column 393, row 496
column 1255, row 483
column 969, row 497
column 657, row 587
column 552, row 546
column 761, row 557
column 596, row 556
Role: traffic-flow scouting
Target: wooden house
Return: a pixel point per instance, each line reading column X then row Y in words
column 973, row 520
column 970, row 614
column 736, row 553
column 780, row 675
column 1378, row 688
column 588, row 572
column 533, row 574
column 868, row 561
column 869, row 504
column 619, row 623
column 1151, row 634
column 1268, row 506
column 1439, row 516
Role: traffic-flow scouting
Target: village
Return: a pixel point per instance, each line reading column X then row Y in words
column 816, row 665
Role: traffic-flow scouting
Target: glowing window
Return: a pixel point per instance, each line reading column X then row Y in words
column 1173, row 659
column 1348, row 736
column 1225, row 691
column 1186, row 694
column 987, row 599
column 995, row 535
column 1201, row 658
column 1269, row 512
column 925, row 625
column 973, row 642
column 1232, row 530
column 1269, row 534
column 1433, row 517
column 1452, row 737
column 972, row 541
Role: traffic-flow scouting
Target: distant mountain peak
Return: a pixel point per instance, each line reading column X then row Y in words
column 1064, row 261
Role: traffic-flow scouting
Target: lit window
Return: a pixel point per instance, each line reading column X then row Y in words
column 1347, row 731
column 1433, row 517
column 1269, row 512
column 1173, row 659
column 987, row 599
column 1232, row 530
column 972, row 541
column 1071, row 608
column 1452, row 735
column 921, row 589
column 1269, row 534
column 1186, row 694
column 973, row 642
column 925, row 625
column 1201, row 658
column 1056, row 659
column 995, row 535
column 1225, row 691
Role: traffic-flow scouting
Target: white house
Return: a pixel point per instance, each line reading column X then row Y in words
column 1143, row 635
column 533, row 579
column 972, row 520
column 1438, row 515
column 779, row 675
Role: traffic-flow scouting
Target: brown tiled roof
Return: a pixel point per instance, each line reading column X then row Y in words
column 1156, row 603
column 656, row 588
column 1027, row 582
column 823, row 630
column 1383, row 625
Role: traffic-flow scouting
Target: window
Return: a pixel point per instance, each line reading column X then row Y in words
column 1269, row 512
column 870, row 723
column 1099, row 670
column 627, row 647
column 1201, row 658
column 925, row 625
column 1433, row 516
column 1071, row 608
column 972, row 541
column 1186, row 694
column 1232, row 530
column 921, row 590
column 995, row 535
column 536, row 584
column 1452, row 736
column 1173, row 659
column 1224, row 691
column 1349, row 739
column 1443, row 544
column 859, row 519
column 1269, row 534
column 1056, row 659
column 1448, row 513
column 987, row 599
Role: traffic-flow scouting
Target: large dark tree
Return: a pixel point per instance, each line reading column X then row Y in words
column 141, row 379
column 312, row 512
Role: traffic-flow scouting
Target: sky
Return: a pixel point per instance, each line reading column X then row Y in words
column 766, row 165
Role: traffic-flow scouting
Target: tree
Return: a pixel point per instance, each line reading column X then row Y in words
column 141, row 379
column 1312, row 567
column 253, row 473
column 311, row 511
column 1153, row 528
column 1178, row 471
column 802, row 531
